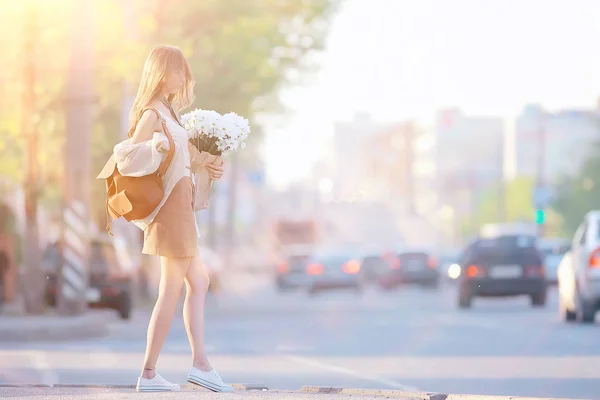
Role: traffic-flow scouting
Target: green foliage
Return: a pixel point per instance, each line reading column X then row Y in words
column 518, row 195
column 578, row 194
column 242, row 52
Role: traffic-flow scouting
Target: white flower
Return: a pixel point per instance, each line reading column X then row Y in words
column 231, row 130
column 200, row 122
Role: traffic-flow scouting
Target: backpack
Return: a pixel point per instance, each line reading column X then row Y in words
column 135, row 197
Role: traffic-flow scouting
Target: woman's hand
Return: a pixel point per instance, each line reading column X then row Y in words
column 215, row 171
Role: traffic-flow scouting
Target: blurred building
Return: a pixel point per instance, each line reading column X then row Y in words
column 469, row 160
column 402, row 177
column 351, row 156
column 561, row 141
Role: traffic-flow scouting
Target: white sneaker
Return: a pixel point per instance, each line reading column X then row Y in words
column 156, row 384
column 209, row 380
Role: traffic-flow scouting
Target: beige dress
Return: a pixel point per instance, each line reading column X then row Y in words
column 171, row 230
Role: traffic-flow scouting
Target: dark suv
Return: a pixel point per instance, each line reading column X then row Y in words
column 109, row 285
column 502, row 266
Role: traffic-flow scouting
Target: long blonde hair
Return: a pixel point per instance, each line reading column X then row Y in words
column 162, row 61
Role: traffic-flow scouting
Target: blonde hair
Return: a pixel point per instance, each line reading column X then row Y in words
column 161, row 62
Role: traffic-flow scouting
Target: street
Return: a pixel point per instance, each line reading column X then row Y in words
column 412, row 339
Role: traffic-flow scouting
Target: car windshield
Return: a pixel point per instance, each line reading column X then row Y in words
column 506, row 242
column 103, row 257
column 333, row 261
column 528, row 256
column 555, row 250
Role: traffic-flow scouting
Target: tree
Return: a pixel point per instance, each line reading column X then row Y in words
column 579, row 193
column 242, row 52
column 519, row 208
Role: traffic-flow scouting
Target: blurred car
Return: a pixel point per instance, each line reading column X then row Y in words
column 553, row 250
column 332, row 269
column 110, row 285
column 502, row 266
column 373, row 265
column 291, row 270
column 579, row 273
column 414, row 265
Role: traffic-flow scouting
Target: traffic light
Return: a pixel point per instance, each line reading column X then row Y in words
column 540, row 216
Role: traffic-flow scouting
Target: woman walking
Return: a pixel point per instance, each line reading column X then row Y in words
column 170, row 231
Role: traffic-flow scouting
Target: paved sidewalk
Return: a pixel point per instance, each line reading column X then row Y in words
column 50, row 326
column 193, row 392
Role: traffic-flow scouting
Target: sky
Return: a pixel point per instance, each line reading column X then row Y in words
column 405, row 59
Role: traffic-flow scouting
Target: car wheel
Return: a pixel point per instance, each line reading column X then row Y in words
column 50, row 300
column 588, row 314
column 465, row 300
column 125, row 306
column 585, row 311
column 566, row 314
column 358, row 290
column 432, row 285
column 282, row 287
column 538, row 299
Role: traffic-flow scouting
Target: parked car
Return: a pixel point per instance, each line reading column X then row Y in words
column 553, row 250
column 110, row 285
column 333, row 269
column 410, row 266
column 579, row 273
column 290, row 273
column 502, row 266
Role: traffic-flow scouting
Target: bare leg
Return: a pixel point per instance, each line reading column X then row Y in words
column 172, row 274
column 197, row 282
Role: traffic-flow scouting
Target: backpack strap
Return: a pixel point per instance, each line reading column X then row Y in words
column 164, row 165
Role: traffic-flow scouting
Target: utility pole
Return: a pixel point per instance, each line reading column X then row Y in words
column 75, row 243
column 540, row 182
column 409, row 148
column 133, row 235
column 231, row 211
column 34, row 278
column 502, row 183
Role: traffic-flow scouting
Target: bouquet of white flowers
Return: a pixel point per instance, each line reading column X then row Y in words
column 214, row 133
column 211, row 135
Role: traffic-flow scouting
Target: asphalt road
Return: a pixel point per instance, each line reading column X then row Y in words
column 409, row 339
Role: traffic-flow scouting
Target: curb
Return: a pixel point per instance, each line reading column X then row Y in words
column 92, row 324
column 398, row 394
column 383, row 393
column 188, row 386
column 389, row 393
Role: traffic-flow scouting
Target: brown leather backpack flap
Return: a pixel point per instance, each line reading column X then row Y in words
column 119, row 204
column 108, row 169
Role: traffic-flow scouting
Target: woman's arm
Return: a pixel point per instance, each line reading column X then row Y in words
column 147, row 125
column 215, row 171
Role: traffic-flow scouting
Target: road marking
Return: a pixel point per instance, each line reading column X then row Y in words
column 40, row 363
column 334, row 368
column 284, row 348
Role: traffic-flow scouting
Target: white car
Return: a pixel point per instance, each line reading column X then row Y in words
column 579, row 273
column 553, row 250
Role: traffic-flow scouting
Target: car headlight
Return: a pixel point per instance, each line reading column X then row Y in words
column 454, row 271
